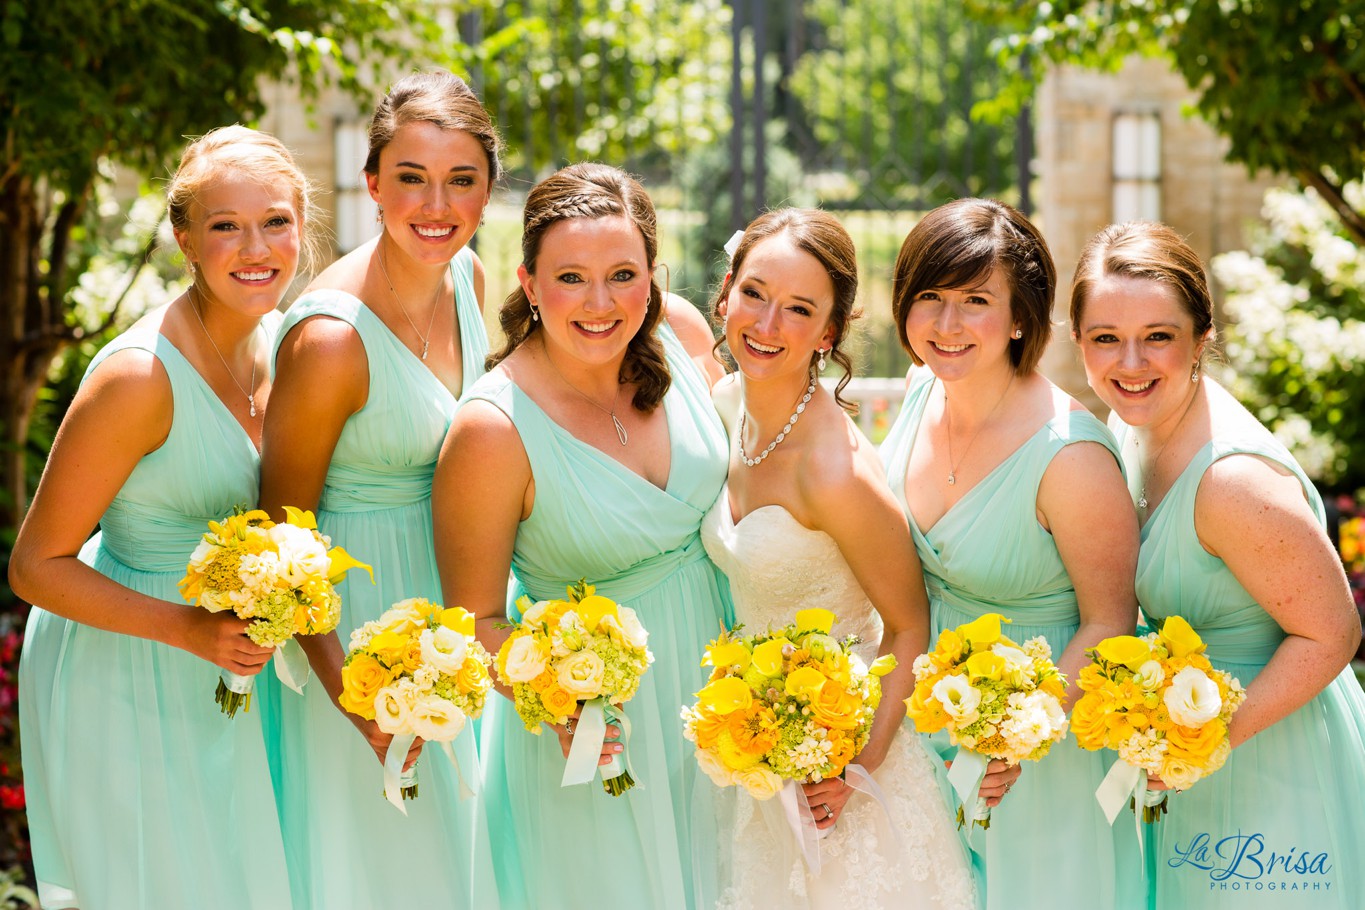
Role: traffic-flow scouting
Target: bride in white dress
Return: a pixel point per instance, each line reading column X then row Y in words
column 806, row 520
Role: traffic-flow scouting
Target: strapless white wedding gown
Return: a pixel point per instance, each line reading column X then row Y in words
column 777, row 566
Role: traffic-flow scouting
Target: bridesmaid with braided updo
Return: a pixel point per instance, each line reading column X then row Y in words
column 591, row 449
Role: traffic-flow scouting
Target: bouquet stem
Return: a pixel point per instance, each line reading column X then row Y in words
column 233, row 692
column 618, row 784
column 408, row 783
column 1153, row 805
column 981, row 815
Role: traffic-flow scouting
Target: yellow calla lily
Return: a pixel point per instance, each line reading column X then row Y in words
column 805, row 682
column 883, row 665
column 984, row 630
column 1180, row 637
column 592, row 608
column 723, row 696
column 299, row 518
column 985, row 665
column 725, row 653
column 1128, row 650
column 814, row 620
column 343, row 562
column 458, row 619
column 768, row 656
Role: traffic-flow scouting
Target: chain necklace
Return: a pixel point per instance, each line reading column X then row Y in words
column 251, row 395
column 394, row 294
column 611, row 412
column 1151, row 468
column 791, row 422
column 948, row 419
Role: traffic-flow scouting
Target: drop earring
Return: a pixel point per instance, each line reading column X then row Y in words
column 535, row 313
column 820, row 364
column 1194, row 372
column 379, row 215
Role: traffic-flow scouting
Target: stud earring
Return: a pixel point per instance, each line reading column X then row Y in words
column 1018, row 333
column 379, row 215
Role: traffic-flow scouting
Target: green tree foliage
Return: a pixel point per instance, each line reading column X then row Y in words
column 83, row 83
column 886, row 89
column 1283, row 80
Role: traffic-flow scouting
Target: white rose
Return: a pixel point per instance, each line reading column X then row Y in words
column 443, row 648
column 580, row 674
column 1150, row 675
column 759, row 781
column 1192, row 698
column 301, row 555
column 391, row 711
column 715, row 769
column 572, row 622
column 1179, row 774
column 436, row 719
column 215, row 601
column 536, row 611
column 525, row 659
column 203, row 555
column 958, row 698
column 632, row 630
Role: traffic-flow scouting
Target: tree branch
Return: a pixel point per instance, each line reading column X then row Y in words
column 148, row 249
column 1351, row 219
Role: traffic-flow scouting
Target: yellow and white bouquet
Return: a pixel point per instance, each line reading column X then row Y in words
column 795, row 704
column 997, row 700
column 415, row 671
column 280, row 576
column 586, row 650
column 1157, row 701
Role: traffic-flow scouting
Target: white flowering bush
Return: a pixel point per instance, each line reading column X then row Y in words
column 1295, row 348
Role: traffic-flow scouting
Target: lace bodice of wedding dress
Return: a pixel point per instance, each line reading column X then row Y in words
column 914, row 861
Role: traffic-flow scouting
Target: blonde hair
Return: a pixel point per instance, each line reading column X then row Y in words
column 242, row 150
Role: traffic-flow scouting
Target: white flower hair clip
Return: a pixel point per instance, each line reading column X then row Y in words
column 732, row 245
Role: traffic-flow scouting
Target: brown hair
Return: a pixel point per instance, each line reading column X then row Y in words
column 592, row 191
column 436, row 97
column 821, row 235
column 1152, row 252
column 252, row 153
column 956, row 245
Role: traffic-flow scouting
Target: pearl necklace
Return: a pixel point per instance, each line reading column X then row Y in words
column 791, row 422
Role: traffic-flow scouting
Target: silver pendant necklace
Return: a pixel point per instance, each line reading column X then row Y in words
column 948, row 419
column 251, row 395
column 402, row 309
column 610, row 412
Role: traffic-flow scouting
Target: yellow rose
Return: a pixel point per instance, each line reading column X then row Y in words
column 473, row 676
column 724, row 695
column 767, row 657
column 559, row 703
column 1087, row 722
column 986, row 665
column 836, row 707
column 592, row 608
column 982, row 631
column 925, row 710
column 760, row 782
column 1195, row 744
column 726, row 653
column 542, row 682
column 1128, row 650
column 361, row 680
column 458, row 619
column 1180, row 638
column 805, row 682
column 1178, row 773
column 814, row 620
column 412, row 655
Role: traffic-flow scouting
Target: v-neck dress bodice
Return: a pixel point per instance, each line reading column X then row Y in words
column 1297, row 788
column 376, row 502
column 140, row 793
column 989, row 554
column 594, row 518
column 907, row 855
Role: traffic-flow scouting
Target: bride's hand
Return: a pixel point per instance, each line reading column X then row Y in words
column 610, row 747
column 827, row 800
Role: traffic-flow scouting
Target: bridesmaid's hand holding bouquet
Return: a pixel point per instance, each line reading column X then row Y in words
column 996, row 699
column 586, row 650
column 279, row 576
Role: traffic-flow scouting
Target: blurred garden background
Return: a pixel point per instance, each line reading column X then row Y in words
column 1239, row 122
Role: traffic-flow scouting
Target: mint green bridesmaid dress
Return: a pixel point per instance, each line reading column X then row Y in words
column 577, row 848
column 1282, row 824
column 141, row 793
column 1049, row 844
column 346, row 846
